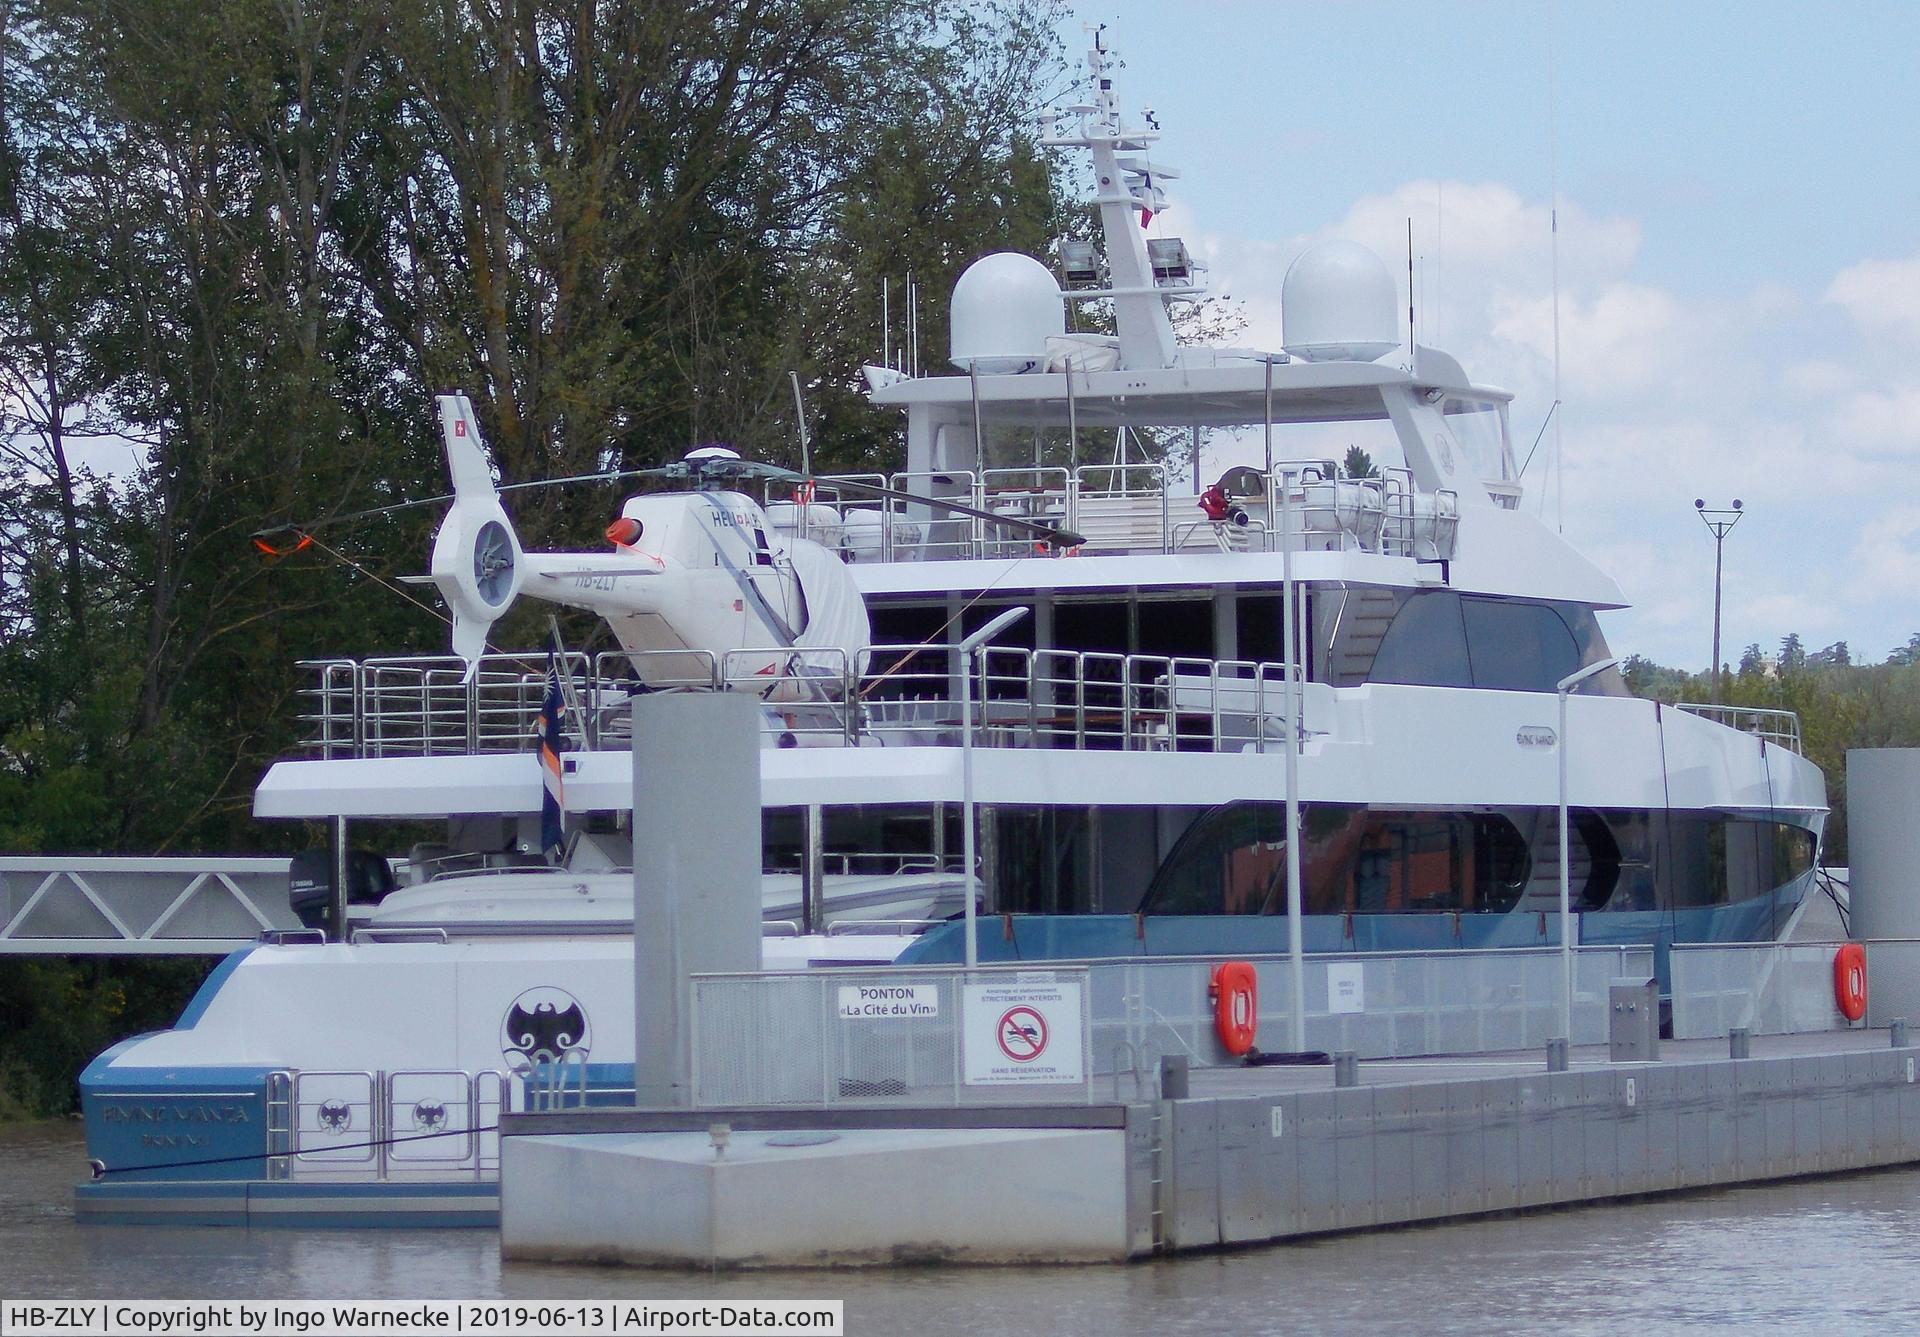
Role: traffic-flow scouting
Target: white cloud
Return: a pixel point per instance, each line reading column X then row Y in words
column 1880, row 294
column 1887, row 553
column 1879, row 420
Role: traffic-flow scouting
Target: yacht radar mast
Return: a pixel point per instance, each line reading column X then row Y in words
column 1143, row 275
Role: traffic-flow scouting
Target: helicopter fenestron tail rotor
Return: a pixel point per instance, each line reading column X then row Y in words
column 477, row 564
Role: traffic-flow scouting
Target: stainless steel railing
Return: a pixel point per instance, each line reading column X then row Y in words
column 1117, row 508
column 902, row 694
column 1779, row 727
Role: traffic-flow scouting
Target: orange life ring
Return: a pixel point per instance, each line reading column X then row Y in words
column 1850, row 980
column 1236, row 1013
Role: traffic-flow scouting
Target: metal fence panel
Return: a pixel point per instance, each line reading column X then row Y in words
column 1377, row 1005
column 814, row 1038
column 782, row 1040
column 1771, row 988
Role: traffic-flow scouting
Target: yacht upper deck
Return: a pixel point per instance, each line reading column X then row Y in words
column 890, row 696
column 1308, row 506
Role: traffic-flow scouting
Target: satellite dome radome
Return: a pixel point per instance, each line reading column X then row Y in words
column 1005, row 308
column 1337, row 304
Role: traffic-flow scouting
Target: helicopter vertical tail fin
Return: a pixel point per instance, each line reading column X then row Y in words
column 466, row 459
column 476, row 554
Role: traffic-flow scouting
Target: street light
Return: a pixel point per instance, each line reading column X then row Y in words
column 1565, row 689
column 1719, row 522
column 967, row 649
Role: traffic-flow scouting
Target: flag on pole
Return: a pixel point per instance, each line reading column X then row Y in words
column 553, row 802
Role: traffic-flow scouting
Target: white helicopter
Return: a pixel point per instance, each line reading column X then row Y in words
column 703, row 572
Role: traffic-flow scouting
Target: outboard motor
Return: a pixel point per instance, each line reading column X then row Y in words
column 310, row 883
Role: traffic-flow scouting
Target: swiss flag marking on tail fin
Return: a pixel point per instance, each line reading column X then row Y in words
column 460, row 427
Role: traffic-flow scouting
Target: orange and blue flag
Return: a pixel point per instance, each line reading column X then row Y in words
column 553, row 802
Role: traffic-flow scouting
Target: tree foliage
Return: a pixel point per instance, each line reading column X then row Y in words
column 243, row 245
column 1841, row 705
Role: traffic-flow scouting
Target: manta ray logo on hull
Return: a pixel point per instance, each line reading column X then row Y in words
column 544, row 1025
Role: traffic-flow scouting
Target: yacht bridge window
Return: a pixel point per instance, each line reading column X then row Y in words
column 1480, row 428
column 1438, row 638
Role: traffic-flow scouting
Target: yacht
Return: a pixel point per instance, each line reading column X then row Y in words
column 1291, row 633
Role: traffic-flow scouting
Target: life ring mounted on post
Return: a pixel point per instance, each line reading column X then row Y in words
column 1850, row 980
column 1235, row 990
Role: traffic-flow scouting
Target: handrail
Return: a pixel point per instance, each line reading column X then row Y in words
column 1129, row 508
column 1779, row 727
column 903, row 694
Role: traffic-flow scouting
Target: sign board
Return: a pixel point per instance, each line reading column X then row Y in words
column 1346, row 987
column 1017, row 1033
column 861, row 1001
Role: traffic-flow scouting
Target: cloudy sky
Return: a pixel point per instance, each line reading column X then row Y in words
column 1739, row 259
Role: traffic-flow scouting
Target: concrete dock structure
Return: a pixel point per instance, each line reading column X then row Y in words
column 1250, row 1155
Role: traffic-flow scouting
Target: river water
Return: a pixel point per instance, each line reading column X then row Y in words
column 1818, row 1256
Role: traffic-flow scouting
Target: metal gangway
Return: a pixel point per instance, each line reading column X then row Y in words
column 104, row 905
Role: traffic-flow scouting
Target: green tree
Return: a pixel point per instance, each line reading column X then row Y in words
column 252, row 240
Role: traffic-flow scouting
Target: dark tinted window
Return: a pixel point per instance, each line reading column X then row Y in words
column 1257, row 629
column 1096, row 626
column 1229, row 862
column 1518, row 647
column 1353, row 860
column 1719, row 860
column 1438, row 861
column 1426, row 646
column 1175, row 628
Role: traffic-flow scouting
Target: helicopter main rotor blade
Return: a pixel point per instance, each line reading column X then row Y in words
column 1051, row 534
column 701, row 474
column 658, row 471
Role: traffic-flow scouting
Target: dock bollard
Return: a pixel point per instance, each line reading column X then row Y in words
column 1557, row 1054
column 1740, row 1042
column 1173, row 1077
column 1897, row 1032
column 1346, row 1068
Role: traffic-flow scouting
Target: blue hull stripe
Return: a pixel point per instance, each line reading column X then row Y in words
column 282, row 1203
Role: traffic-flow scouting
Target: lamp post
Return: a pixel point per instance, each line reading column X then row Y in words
column 1565, row 689
column 968, row 647
column 1289, row 653
column 1719, row 521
